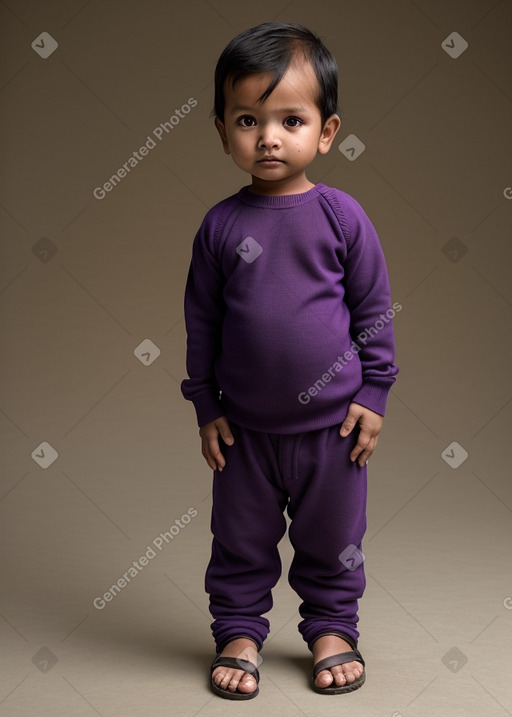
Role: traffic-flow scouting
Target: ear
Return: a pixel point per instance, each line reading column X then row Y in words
column 331, row 126
column 222, row 132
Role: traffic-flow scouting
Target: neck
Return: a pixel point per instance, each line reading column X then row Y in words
column 294, row 185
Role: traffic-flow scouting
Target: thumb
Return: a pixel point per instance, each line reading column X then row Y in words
column 349, row 422
column 225, row 431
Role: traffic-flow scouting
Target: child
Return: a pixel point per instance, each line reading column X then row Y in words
column 290, row 357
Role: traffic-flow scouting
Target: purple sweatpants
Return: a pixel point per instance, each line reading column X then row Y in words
column 324, row 492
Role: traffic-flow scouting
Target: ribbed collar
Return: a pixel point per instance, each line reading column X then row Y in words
column 278, row 202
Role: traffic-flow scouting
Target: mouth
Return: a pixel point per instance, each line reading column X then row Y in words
column 270, row 161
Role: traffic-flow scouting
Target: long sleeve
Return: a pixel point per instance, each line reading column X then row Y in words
column 367, row 295
column 204, row 311
column 288, row 312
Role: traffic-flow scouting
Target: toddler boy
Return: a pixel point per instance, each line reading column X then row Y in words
column 290, row 357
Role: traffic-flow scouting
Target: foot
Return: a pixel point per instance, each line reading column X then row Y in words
column 231, row 679
column 339, row 675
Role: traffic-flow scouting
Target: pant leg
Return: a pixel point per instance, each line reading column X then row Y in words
column 328, row 520
column 247, row 524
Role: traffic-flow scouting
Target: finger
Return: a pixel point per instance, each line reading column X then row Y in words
column 348, row 424
column 364, row 455
column 216, row 461
column 363, row 441
column 208, row 458
column 225, row 432
column 363, row 458
column 213, row 455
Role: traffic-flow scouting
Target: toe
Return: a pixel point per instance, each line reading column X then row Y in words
column 219, row 676
column 216, row 675
column 224, row 678
column 340, row 677
column 247, row 683
column 234, row 680
column 242, row 681
column 324, row 678
column 354, row 671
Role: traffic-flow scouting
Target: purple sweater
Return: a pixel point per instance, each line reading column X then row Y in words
column 288, row 312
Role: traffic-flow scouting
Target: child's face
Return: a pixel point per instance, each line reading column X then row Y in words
column 287, row 126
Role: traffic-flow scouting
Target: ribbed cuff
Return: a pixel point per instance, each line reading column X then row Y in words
column 207, row 406
column 374, row 395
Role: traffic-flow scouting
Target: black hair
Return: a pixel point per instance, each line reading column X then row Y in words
column 272, row 46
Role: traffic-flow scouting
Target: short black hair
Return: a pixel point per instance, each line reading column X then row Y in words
column 271, row 46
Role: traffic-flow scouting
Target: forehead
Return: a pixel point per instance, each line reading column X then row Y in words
column 297, row 87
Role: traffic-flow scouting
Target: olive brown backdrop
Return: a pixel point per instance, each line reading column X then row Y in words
column 101, row 463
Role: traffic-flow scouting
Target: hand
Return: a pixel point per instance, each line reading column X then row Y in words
column 370, row 424
column 210, row 441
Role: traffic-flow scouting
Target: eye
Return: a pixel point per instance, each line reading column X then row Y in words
column 246, row 120
column 296, row 121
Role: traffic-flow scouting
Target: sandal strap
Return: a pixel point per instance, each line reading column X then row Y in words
column 343, row 635
column 237, row 664
column 339, row 659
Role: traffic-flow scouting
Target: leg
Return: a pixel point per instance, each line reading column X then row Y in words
column 328, row 512
column 247, row 524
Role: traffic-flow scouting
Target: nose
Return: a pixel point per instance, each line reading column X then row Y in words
column 269, row 137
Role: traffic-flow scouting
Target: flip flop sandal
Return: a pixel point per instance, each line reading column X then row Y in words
column 237, row 664
column 333, row 661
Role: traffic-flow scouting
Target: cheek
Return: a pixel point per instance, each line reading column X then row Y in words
column 241, row 144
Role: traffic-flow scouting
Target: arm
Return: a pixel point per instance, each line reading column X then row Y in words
column 204, row 311
column 367, row 295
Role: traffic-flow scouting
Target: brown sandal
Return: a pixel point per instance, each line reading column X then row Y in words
column 339, row 659
column 238, row 664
